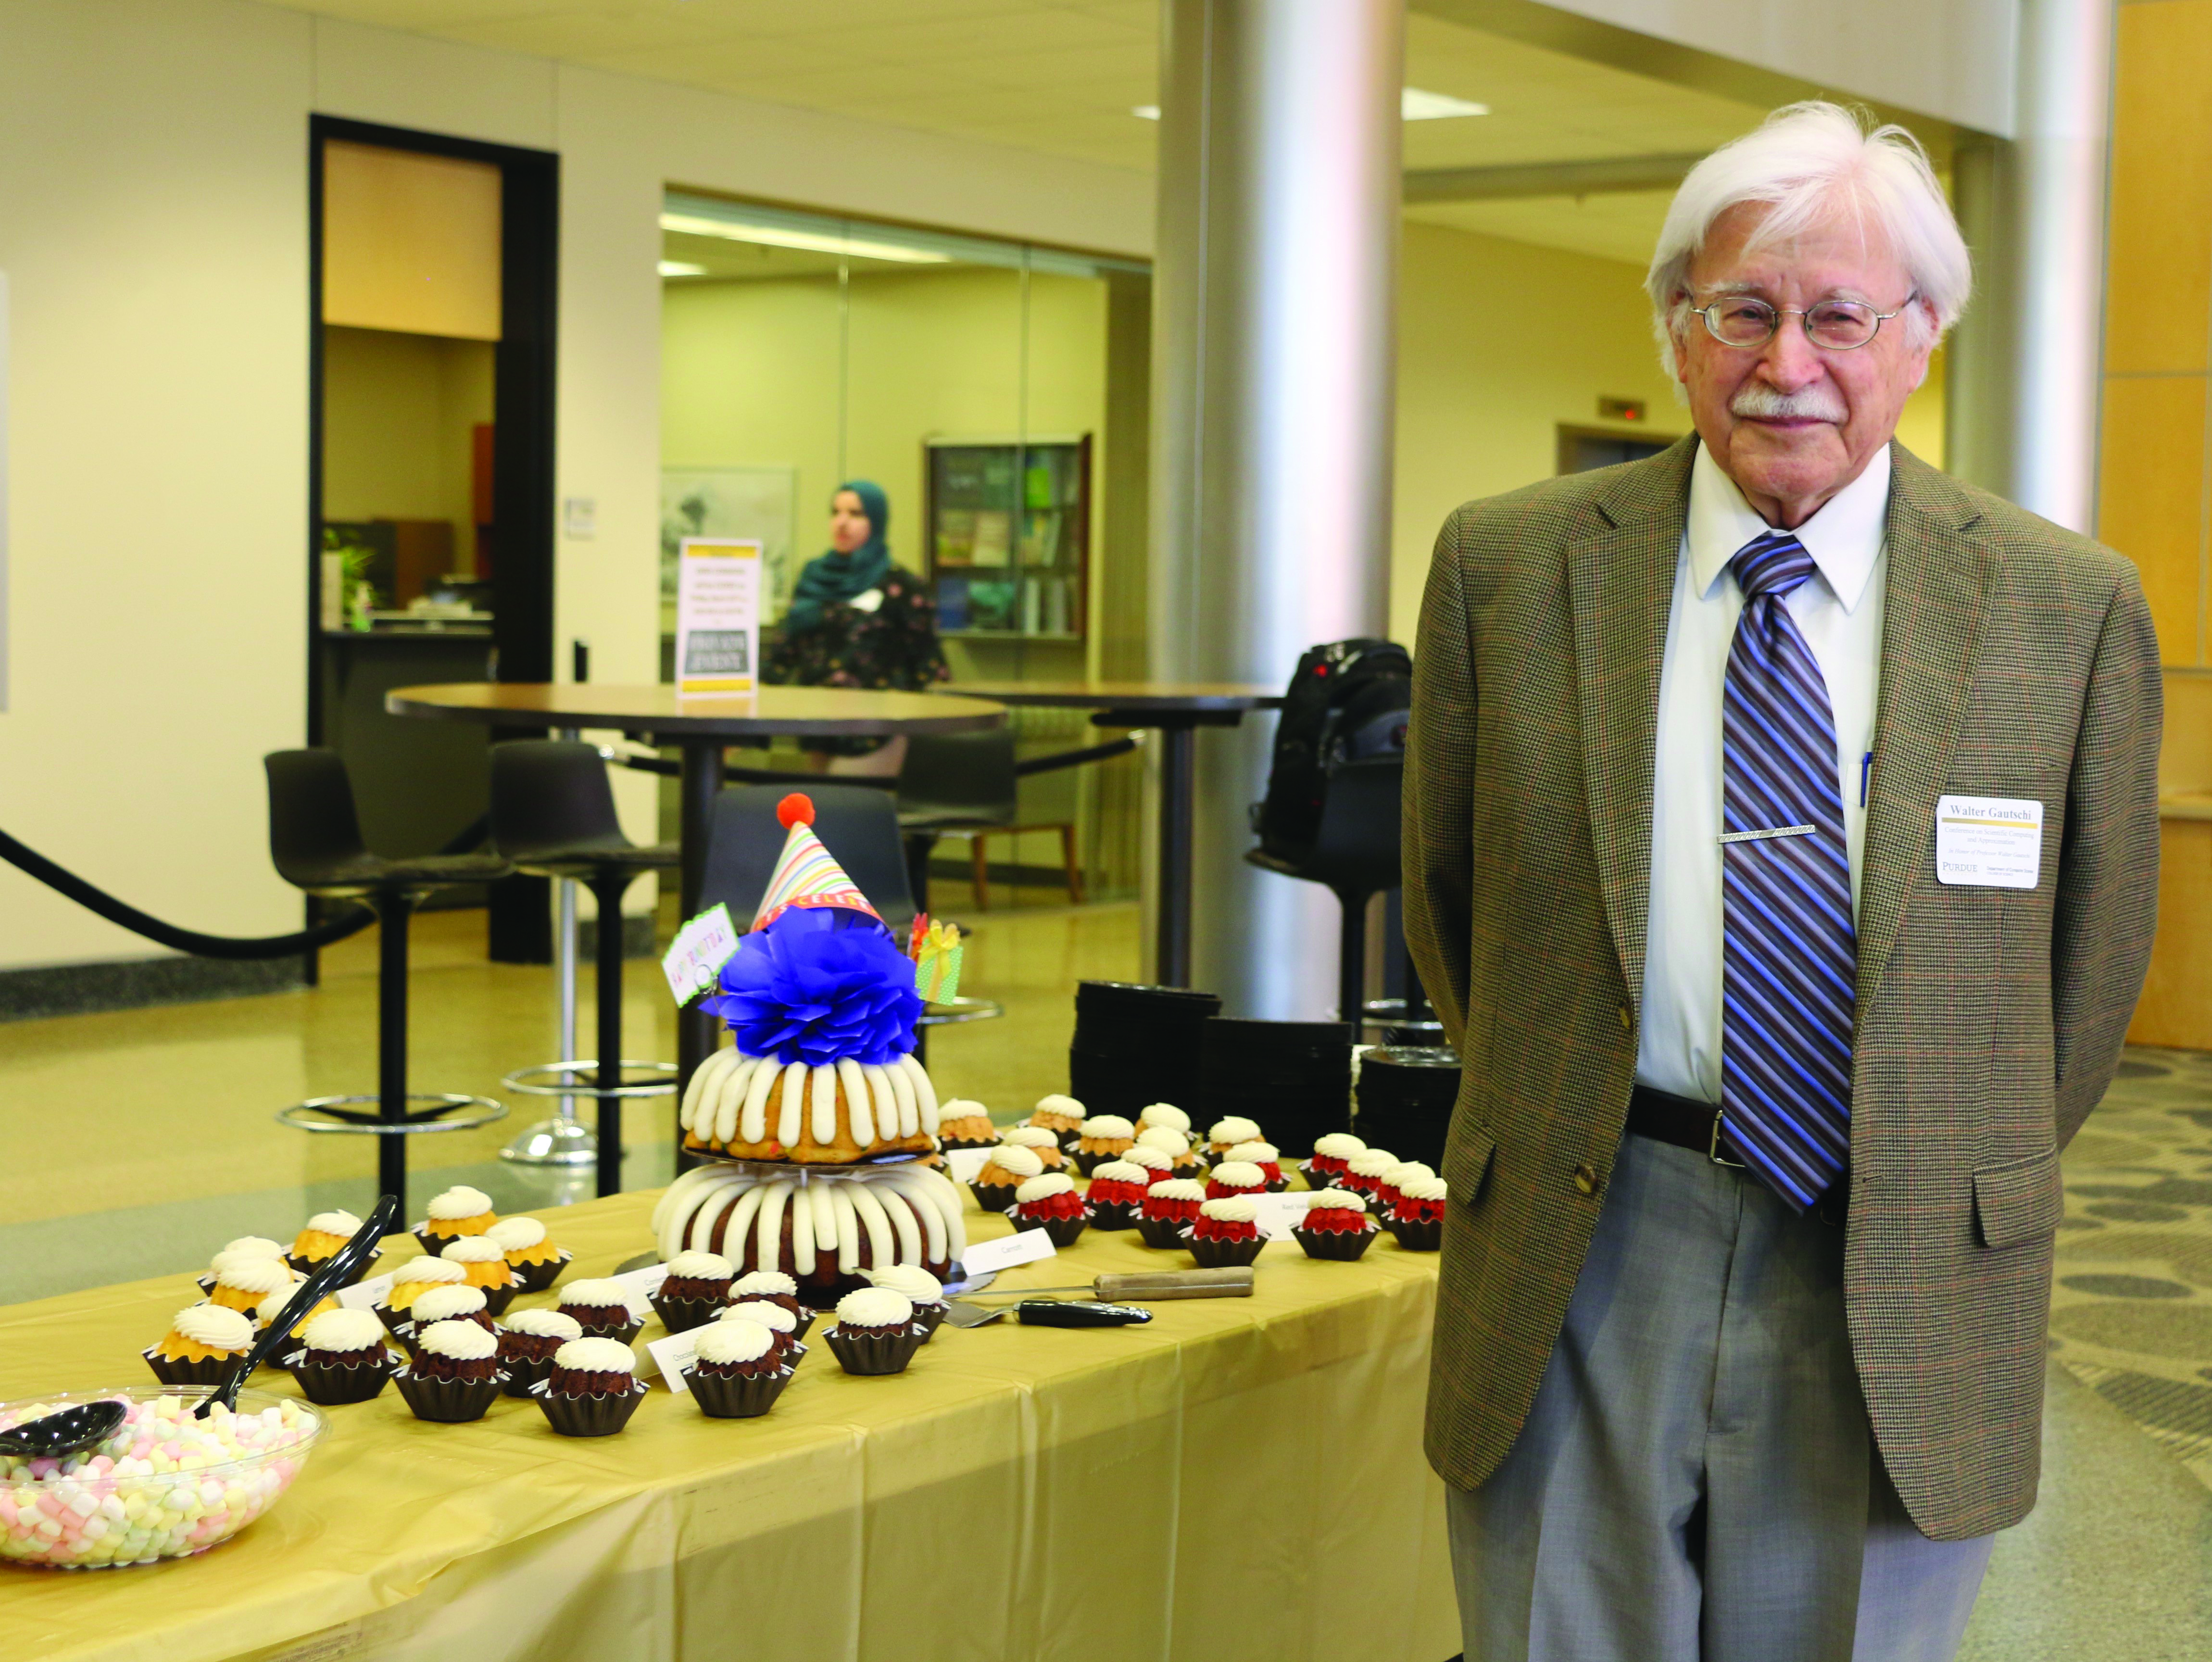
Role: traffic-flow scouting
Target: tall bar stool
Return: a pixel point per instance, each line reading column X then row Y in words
column 1355, row 855
column 315, row 838
column 553, row 815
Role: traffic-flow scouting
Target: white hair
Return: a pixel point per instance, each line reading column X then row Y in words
column 1803, row 161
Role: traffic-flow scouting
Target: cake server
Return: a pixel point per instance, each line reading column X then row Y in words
column 1143, row 1286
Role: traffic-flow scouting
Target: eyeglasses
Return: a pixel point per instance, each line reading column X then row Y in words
column 1837, row 325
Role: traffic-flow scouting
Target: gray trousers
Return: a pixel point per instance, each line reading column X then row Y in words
column 1696, row 1481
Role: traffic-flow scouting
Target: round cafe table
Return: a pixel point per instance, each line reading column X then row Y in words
column 1176, row 710
column 699, row 728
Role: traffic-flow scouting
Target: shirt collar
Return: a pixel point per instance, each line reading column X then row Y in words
column 1844, row 538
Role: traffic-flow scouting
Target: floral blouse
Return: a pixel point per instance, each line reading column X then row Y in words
column 893, row 649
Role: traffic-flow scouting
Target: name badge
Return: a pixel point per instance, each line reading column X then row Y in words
column 1988, row 842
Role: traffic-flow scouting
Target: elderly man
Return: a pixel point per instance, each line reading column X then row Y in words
column 1781, row 852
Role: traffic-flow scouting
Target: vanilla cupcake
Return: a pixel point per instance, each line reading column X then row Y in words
column 1104, row 1137
column 341, row 1358
column 315, row 1245
column 737, row 1372
column 1008, row 1168
column 1226, row 1133
column 1165, row 1116
column 1061, row 1116
column 1044, row 1143
column 248, row 1283
column 241, row 1250
column 483, row 1260
column 202, row 1343
column 454, row 1376
column 527, row 1341
column 601, row 1307
column 536, row 1262
column 922, row 1290
column 964, row 1124
column 410, row 1281
column 1183, row 1160
column 459, row 1211
column 875, row 1332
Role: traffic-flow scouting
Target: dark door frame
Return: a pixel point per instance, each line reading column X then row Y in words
column 524, row 378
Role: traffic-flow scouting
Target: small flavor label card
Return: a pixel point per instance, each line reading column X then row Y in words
column 1022, row 1246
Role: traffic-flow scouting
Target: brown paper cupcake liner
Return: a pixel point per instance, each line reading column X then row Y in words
column 433, row 1245
column 1343, row 1245
column 393, row 1320
column 448, row 1402
column 182, row 1371
column 994, row 1196
column 329, row 1385
column 308, row 1266
column 682, row 1315
column 496, row 1298
column 1418, row 1235
column 588, row 1416
column 931, row 1317
column 1317, row 1180
column 1088, row 1163
column 1165, row 1234
column 623, row 1335
column 875, row 1353
column 1213, row 1254
column 524, row 1371
column 728, row 1396
column 1062, row 1231
column 1279, row 1185
column 537, row 1277
column 1115, row 1214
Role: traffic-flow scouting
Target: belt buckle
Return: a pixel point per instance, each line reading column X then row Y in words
column 1713, row 1144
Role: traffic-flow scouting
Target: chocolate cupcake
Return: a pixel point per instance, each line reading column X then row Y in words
column 341, row 1358
column 237, row 1252
column 735, row 1372
column 964, row 1124
column 1062, row 1116
column 409, row 1281
column 1104, row 1137
column 536, row 1262
column 316, row 1244
column 1039, row 1141
column 459, row 1211
column 1182, row 1160
column 1051, row 1202
column 484, row 1261
column 1009, row 1168
column 455, row 1375
column 202, row 1344
column 1416, row 1218
column 1235, row 1177
column 776, row 1288
column 601, row 1307
column 875, row 1332
column 1332, row 1153
column 459, row 1302
column 1336, row 1225
column 1267, row 1158
column 778, row 1320
column 527, row 1341
column 1227, row 1232
column 1171, row 1208
column 1117, row 1194
column 592, row 1390
column 920, row 1290
column 695, row 1290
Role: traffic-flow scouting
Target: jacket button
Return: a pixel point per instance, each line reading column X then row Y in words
column 1627, row 1019
column 1585, row 1179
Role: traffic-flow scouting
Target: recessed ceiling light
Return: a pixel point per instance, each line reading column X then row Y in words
column 1413, row 105
column 679, row 268
column 779, row 236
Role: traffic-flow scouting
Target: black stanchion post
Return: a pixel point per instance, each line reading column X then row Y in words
column 393, row 910
column 608, row 892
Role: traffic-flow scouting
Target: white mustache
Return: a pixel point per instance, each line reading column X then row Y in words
column 1758, row 402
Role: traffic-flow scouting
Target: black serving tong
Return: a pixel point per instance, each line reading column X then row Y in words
column 335, row 1272
column 58, row 1436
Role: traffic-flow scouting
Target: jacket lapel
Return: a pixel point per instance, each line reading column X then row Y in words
column 1621, row 585
column 1939, row 583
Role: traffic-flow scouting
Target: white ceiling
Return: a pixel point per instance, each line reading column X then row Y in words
column 1060, row 77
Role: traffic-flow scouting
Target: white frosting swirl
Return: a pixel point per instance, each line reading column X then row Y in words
column 1144, row 1155
column 474, row 1249
column 460, row 1202
column 1062, row 1106
column 228, row 1259
column 544, row 1324
column 1121, row 1171
column 1372, row 1162
column 443, row 1304
column 334, row 1223
column 1405, row 1171
column 918, row 1284
column 1229, row 1132
column 459, row 1341
column 1043, row 1188
column 215, row 1327
column 342, row 1331
column 1014, row 1160
column 516, row 1234
column 726, row 1341
column 1178, row 1188
column 1101, row 1126
column 260, row 1276
column 961, row 1108
column 767, row 1281
column 427, row 1271
column 1239, row 1174
column 1255, row 1154
column 1165, row 1138
column 1229, row 1209
column 874, row 1306
column 773, row 1315
column 1339, row 1145
column 1166, row 1116
column 254, row 1246
column 701, row 1267
column 1335, row 1199
column 597, row 1293
column 1029, row 1136
column 1424, row 1188
column 596, row 1356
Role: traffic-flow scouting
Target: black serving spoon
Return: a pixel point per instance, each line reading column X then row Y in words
column 335, row 1269
column 58, row 1436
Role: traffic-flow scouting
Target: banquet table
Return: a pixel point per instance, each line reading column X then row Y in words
column 1240, row 1478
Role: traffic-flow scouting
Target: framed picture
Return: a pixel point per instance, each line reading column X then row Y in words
column 753, row 503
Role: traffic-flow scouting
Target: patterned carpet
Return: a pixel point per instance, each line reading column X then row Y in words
column 2131, row 1312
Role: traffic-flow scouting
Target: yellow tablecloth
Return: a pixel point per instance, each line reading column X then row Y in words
column 1240, row 1478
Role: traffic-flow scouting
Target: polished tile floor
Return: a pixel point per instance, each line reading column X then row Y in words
column 132, row 1144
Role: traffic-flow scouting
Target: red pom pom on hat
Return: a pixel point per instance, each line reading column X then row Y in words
column 796, row 809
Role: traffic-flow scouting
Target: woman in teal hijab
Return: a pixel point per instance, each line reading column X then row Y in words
column 858, row 620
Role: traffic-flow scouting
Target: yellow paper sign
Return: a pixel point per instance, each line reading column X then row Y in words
column 718, row 592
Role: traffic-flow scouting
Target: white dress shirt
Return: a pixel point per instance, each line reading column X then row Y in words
column 1838, row 611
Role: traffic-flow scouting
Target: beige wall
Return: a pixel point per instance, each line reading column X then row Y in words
column 153, row 163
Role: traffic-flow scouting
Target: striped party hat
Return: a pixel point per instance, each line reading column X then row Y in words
column 806, row 873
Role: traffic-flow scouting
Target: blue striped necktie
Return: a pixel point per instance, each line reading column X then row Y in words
column 1789, row 952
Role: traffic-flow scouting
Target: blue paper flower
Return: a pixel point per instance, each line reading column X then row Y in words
column 818, row 985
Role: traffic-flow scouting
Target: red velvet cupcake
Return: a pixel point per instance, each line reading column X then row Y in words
column 1267, row 1158
column 1117, row 1194
column 1417, row 1217
column 1158, row 1164
column 1363, row 1172
column 1235, row 1177
column 1227, row 1232
column 1331, row 1155
column 1336, row 1225
column 1171, row 1208
column 1052, row 1204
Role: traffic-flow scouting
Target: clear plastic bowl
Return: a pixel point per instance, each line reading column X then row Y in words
column 140, row 1518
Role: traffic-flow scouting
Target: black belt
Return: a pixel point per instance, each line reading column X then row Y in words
column 1688, row 1123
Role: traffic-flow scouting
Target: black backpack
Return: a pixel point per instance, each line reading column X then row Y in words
column 1348, row 700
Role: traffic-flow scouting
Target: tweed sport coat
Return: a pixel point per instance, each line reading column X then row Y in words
column 2017, row 660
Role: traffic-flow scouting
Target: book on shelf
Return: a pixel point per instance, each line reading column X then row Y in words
column 993, row 537
column 956, row 536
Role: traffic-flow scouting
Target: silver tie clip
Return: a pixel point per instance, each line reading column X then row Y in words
column 1761, row 836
